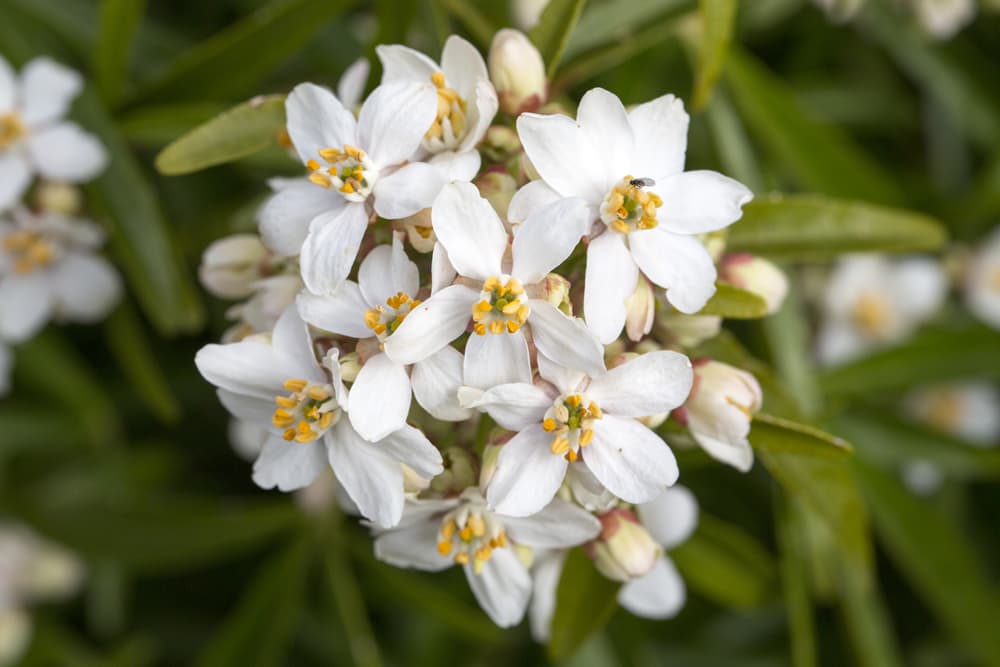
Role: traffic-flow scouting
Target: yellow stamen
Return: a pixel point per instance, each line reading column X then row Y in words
column 444, row 548
column 586, row 436
column 549, row 425
column 295, row 385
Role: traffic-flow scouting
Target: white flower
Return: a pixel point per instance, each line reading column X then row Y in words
column 353, row 171
column 718, row 412
column 629, row 168
column 499, row 300
column 231, row 265
column 6, row 366
column 466, row 101
column 49, row 269
column 872, row 301
column 966, row 410
column 280, row 385
column 436, row 534
column 942, row 19
column 982, row 281
column 34, row 138
column 575, row 417
column 376, row 306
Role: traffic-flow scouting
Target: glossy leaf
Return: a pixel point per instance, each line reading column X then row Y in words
column 585, row 602
column 735, row 303
column 554, row 27
column 718, row 20
column 775, row 435
column 118, row 23
column 607, row 23
column 793, row 566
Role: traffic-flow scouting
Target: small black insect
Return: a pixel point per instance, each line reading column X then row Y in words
column 642, row 182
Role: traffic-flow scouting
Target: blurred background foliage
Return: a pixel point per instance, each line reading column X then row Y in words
column 113, row 446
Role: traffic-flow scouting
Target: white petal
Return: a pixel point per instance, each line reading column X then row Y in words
column 548, row 237
column 528, row 474
column 661, row 127
column 629, row 459
column 647, row 385
column 410, row 446
column 919, row 286
column 380, row 398
column 513, row 406
column 462, row 65
column 412, row 545
column 545, row 574
column 317, row 120
column 671, row 517
column 408, row 190
column 436, row 380
column 432, row 325
column 351, row 86
column 565, row 340
column 558, row 526
column 503, row 588
column 292, row 341
column 64, row 152
column 678, row 263
column 85, row 287
column 696, row 202
column 605, row 124
column 469, row 229
column 47, row 90
column 25, row 306
column 529, row 199
column 457, row 166
column 442, row 271
column 331, row 247
column 564, row 379
column 393, row 120
column 401, row 63
column 493, row 359
column 838, row 342
column 561, row 155
column 251, row 410
column 736, row 453
column 15, row 176
column 611, row 278
column 342, row 312
column 387, row 271
column 658, row 594
column 482, row 110
column 250, row 368
column 284, row 218
column 8, row 86
column 289, row 465
column 372, row 478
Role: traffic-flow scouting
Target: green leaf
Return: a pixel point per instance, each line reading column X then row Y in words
column 157, row 125
column 241, row 131
column 787, row 336
column 812, row 227
column 718, row 19
column 820, row 156
column 262, row 625
column 775, row 435
column 605, row 23
column 733, row 302
column 234, row 61
column 795, row 584
column 480, row 28
column 585, row 602
column 117, row 26
column 346, row 596
column 868, row 624
column 934, row 554
column 553, row 29
column 726, row 565
column 140, row 238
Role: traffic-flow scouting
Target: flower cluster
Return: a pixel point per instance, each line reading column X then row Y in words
column 49, row 267
column 477, row 322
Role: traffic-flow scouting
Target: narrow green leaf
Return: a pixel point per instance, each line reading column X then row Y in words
column 606, row 23
column 726, row 565
column 782, row 436
column 479, row 26
column 140, row 237
column 868, row 624
column 117, row 26
column 262, row 625
column 821, row 157
column 31, row 426
column 932, row 551
column 347, row 597
column 553, row 29
column 585, row 602
column 732, row 143
column 735, row 303
column 795, row 584
column 234, row 61
column 718, row 20
column 157, row 125
column 241, row 131
column 812, row 227
column 787, row 336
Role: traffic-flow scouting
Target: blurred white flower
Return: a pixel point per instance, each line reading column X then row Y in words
column 526, row 13
column 34, row 137
column 943, row 19
column 968, row 410
column 982, row 281
column 840, row 10
column 49, row 269
column 436, row 534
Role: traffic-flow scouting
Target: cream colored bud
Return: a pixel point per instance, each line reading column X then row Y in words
column 350, row 366
column 756, row 275
column 497, row 187
column 526, row 13
column 719, row 410
column 557, row 291
column 495, row 441
column 459, row 472
column 412, row 482
column 676, row 328
column 500, row 143
column 419, row 231
column 640, row 307
column 63, row 198
column 517, row 72
column 624, row 550
column 231, row 266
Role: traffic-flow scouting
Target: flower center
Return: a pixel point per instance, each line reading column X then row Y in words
column 502, row 306
column 470, row 534
column 29, row 250
column 307, row 412
column 449, row 126
column 871, row 315
column 628, row 207
column 384, row 321
column 11, row 129
column 349, row 170
column 570, row 420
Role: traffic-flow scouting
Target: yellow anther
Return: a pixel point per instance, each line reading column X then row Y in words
column 304, row 427
column 462, row 558
column 347, row 188
column 320, row 179
column 496, row 327
column 483, row 553
column 282, row 419
column 479, row 328
column 312, row 165
column 572, row 456
column 512, row 308
column 326, row 421
column 595, row 410
column 573, row 400
column 477, row 524
column 448, row 530
column 484, row 306
column 437, row 78
column 512, row 326
column 620, row 226
column 559, row 446
column 522, row 314
column 285, row 401
column 549, row 425
column 586, row 436
column 465, row 533
column 330, row 154
column 444, row 547
column 306, row 437
column 318, row 393
column 295, row 385
column 289, row 434
column 491, row 283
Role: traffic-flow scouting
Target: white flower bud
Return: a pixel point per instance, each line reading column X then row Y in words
column 495, row 441
column 557, row 292
column 674, row 328
column 624, row 550
column 981, row 286
column 53, row 574
column 63, row 198
column 517, row 72
column 459, row 473
column 526, row 13
column 350, row 366
column 719, row 410
column 756, row 275
column 412, row 482
column 232, row 265
column 497, row 187
column 419, row 231
column 640, row 307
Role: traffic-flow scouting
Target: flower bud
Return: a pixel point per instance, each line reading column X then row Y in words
column 62, row 198
column 640, row 307
column 624, row 550
column 495, row 441
column 231, row 266
column 412, row 482
column 459, row 472
column 674, row 328
column 350, row 366
column 718, row 412
column 517, row 72
column 419, row 231
column 557, row 291
column 500, row 143
column 497, row 187
column 756, row 275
